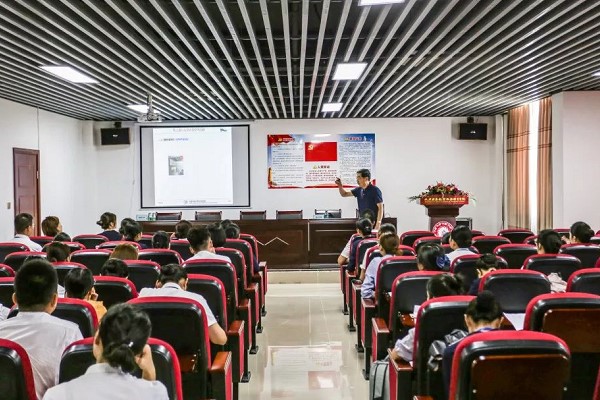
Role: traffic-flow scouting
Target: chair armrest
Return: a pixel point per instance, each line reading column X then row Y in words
column 422, row 398
column 235, row 344
column 381, row 338
column 244, row 311
column 356, row 300
column 251, row 293
column 401, row 374
column 262, row 267
column 367, row 309
column 221, row 377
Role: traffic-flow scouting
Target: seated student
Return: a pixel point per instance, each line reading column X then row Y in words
column 182, row 229
column 548, row 242
column 483, row 314
column 580, row 232
column 363, row 230
column 172, row 282
column 384, row 228
column 431, row 257
column 24, row 228
column 484, row 265
column 388, row 246
column 114, row 267
column 120, row 347
column 125, row 251
column 60, row 290
column 201, row 245
column 3, row 312
column 79, row 284
column 124, row 222
column 161, row 240
column 62, row 237
column 232, row 231
column 217, row 235
column 437, row 286
column 51, row 226
column 43, row 336
column 108, row 222
column 132, row 232
column 57, row 252
column 460, row 241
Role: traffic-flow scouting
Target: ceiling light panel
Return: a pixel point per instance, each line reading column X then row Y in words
column 68, row 73
column 349, row 71
column 378, row 2
column 332, row 107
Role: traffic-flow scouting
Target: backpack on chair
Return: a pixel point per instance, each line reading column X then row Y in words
column 379, row 380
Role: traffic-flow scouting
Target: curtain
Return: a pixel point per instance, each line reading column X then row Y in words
column 517, row 159
column 544, row 167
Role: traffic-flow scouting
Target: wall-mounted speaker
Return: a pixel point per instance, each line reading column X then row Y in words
column 473, row 132
column 111, row 136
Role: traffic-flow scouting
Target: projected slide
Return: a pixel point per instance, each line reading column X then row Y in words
column 193, row 166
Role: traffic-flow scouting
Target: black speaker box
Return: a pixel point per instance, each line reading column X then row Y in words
column 473, row 132
column 110, row 136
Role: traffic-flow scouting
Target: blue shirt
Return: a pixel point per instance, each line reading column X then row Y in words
column 112, row 235
column 367, row 289
column 367, row 198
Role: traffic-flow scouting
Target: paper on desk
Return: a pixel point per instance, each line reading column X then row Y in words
column 516, row 319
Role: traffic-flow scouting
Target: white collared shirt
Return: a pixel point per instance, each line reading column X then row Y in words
column 101, row 382
column 172, row 289
column 210, row 255
column 44, row 338
column 459, row 252
column 24, row 239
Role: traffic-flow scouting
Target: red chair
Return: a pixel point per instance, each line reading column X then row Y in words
column 90, row 241
column 263, row 269
column 516, row 235
column 113, row 290
column 41, row 240
column 487, row 244
column 585, row 280
column 160, row 256
column 588, row 254
column 475, row 233
column 426, row 240
column 532, row 240
column 63, row 268
column 6, row 291
column 17, row 374
column 73, row 246
column 182, row 246
column 515, row 254
column 408, row 238
column 80, row 312
column 562, row 264
column 464, row 266
column 16, row 259
column 78, row 357
column 146, row 241
column 595, row 240
column 515, row 288
column 92, row 259
column 6, row 271
column 142, row 273
column 500, row 365
column 7, row 248
column 111, row 245
column 575, row 318
column 360, row 251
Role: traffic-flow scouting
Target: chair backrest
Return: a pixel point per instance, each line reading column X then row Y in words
column 515, row 254
column 530, row 240
column 464, row 266
column 80, row 312
column 246, row 249
column 168, row 216
column 92, row 259
column 170, row 316
column 208, row 215
column 73, row 246
column 182, row 246
column 222, row 270
column 408, row 238
column 160, row 256
column 7, row 248
column 90, row 241
column 145, row 242
column 390, row 268
column 78, row 357
column 113, row 290
column 371, row 253
column 562, row 264
column 16, row 381
column 361, row 249
column 7, row 289
column 112, row 244
column 487, row 244
column 239, row 262
column 63, row 268
column 288, row 214
column 585, row 280
column 142, row 273
column 6, row 271
column 41, row 240
column 425, row 240
column 510, row 364
column 329, row 213
column 213, row 291
column 515, row 235
column 595, row 239
column 515, row 288
column 588, row 254
column 475, row 233
column 253, row 242
column 16, row 259
column 407, row 250
column 248, row 215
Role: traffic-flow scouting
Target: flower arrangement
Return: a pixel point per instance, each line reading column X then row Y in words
column 441, row 189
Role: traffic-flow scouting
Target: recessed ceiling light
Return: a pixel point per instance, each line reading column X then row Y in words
column 596, row 73
column 332, row 107
column 347, row 71
column 141, row 108
column 377, row 2
column 68, row 73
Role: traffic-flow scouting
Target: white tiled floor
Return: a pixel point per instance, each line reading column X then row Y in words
column 306, row 350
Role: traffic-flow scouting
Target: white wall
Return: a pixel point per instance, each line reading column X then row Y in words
column 575, row 149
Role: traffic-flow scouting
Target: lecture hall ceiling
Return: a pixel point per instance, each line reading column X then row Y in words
column 252, row 59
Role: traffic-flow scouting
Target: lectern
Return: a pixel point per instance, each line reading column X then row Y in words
column 442, row 211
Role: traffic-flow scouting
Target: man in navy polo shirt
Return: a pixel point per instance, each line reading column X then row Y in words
column 369, row 197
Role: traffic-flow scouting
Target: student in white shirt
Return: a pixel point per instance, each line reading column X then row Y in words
column 172, row 282
column 460, row 241
column 120, row 347
column 385, row 228
column 24, row 227
column 201, row 245
column 43, row 336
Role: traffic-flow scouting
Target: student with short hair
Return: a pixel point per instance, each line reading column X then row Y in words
column 161, row 240
column 79, row 284
column 217, row 235
column 51, row 226
column 201, row 245
column 125, row 251
column 24, row 227
column 232, row 231
column 114, row 267
column 172, row 282
column 132, row 232
column 182, row 229
column 57, row 252
column 460, row 242
column 108, row 222
column 548, row 242
column 120, row 347
column 62, row 237
column 43, row 336
column 485, row 264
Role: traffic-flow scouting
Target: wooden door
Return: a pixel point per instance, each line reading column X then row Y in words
column 27, row 183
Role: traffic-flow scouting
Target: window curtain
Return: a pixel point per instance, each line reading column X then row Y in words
column 544, row 167
column 517, row 159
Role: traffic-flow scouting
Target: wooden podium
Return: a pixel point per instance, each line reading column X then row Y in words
column 442, row 209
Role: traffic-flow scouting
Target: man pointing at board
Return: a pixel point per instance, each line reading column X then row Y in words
column 369, row 197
